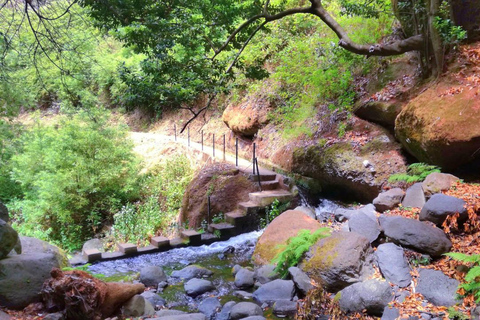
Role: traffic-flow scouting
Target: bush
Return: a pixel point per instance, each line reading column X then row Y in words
column 415, row 172
column 472, row 283
column 74, row 176
column 9, row 144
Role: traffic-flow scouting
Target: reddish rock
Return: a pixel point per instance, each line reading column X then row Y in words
column 247, row 117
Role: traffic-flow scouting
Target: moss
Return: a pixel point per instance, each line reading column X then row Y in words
column 324, row 255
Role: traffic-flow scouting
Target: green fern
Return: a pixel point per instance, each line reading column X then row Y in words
column 295, row 248
column 472, row 278
column 415, row 172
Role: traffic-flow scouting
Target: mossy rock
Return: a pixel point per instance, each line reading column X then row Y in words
column 381, row 112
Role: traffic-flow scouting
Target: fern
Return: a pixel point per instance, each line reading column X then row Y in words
column 415, row 172
column 472, row 284
column 295, row 248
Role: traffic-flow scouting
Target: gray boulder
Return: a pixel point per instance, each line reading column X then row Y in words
column 440, row 206
column 275, row 290
column 437, row 182
column 210, row 307
column 8, row 240
column 151, row 276
column 301, row 280
column 390, row 314
column 34, row 245
column 372, row 295
column 437, row 288
column 416, row 235
column 137, row 306
column 245, row 309
column 154, row 299
column 393, row 264
column 191, row 272
column 244, row 279
column 195, row 287
column 365, row 226
column 4, row 213
column 342, row 214
column 168, row 312
column 388, row 200
column 285, row 308
column 183, row 316
column 93, row 244
column 265, row 274
column 226, row 309
column 339, row 260
column 414, row 196
column 4, row 316
column 243, row 294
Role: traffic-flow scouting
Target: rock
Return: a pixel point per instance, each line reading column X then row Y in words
column 183, row 316
column 226, row 309
column 8, row 240
column 301, row 280
column 254, row 318
column 209, row 307
column 416, row 235
column 414, row 196
column 93, row 244
column 364, row 226
column 244, row 279
column 33, row 246
column 275, row 290
column 393, row 264
column 437, row 288
column 195, row 287
column 235, row 269
column 381, row 112
column 243, row 294
column 372, row 295
column 52, row 316
column 151, row 276
column 285, row 308
column 167, row 313
column 342, row 214
column 269, row 243
column 265, row 274
column 245, row 309
column 388, row 200
column 437, row 182
column 339, row 260
column 308, row 211
column 390, row 314
column 339, row 166
column 440, row 206
column 154, row 299
column 191, row 272
column 117, row 294
column 4, row 213
column 4, row 316
column 137, row 306
column 248, row 117
column 161, row 286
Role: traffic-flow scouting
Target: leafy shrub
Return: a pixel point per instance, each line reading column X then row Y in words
column 74, row 176
column 472, row 283
column 273, row 211
column 415, row 172
column 296, row 246
column 9, row 144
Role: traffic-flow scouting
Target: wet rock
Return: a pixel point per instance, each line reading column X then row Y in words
column 210, row 307
column 226, row 309
column 265, row 274
column 243, row 294
column 339, row 260
column 437, row 182
column 301, row 280
column 195, row 287
column 308, row 211
column 390, row 314
column 388, row 200
column 245, row 309
column 151, row 276
column 285, row 308
column 437, row 288
column 275, row 290
column 191, row 272
column 8, row 240
column 4, row 213
column 154, row 299
column 440, row 206
column 137, row 306
column 365, row 226
column 372, row 295
column 393, row 264
column 414, row 196
column 416, row 235
column 244, row 279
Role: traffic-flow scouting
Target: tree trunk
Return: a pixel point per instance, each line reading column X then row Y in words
column 433, row 8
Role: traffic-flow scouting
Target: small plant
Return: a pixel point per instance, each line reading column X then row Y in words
column 218, row 218
column 472, row 278
column 456, row 315
column 273, row 211
column 415, row 172
column 450, row 33
column 217, row 233
column 296, row 246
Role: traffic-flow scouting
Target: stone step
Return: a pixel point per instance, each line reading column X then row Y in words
column 270, row 185
column 250, row 207
column 127, row 248
column 235, row 217
column 265, row 198
column 265, row 175
column 194, row 237
column 226, row 230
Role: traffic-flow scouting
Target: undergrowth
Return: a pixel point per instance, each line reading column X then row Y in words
column 415, row 172
column 472, row 283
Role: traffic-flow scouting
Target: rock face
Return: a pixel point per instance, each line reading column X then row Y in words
column 151, row 276
column 440, row 206
column 393, row 264
column 290, row 222
column 248, row 117
column 275, row 290
column 346, row 169
column 437, row 288
column 437, row 182
column 339, row 260
column 4, row 213
column 8, row 240
column 381, row 112
column 416, row 235
column 226, row 185
column 414, row 196
column 388, row 200
column 441, row 130
column 372, row 295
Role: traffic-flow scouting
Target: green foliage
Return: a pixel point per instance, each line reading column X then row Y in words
column 415, row 172
column 273, row 211
column 295, row 248
column 9, row 145
column 456, row 315
column 218, row 218
column 74, row 176
column 84, row 268
column 450, row 33
column 472, row 278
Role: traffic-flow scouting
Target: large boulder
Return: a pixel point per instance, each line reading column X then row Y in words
column 227, row 187
column 244, row 278
column 416, row 235
column 441, row 128
column 270, row 242
column 440, row 206
column 372, row 295
column 8, row 240
column 274, row 291
column 393, row 264
column 32, row 245
column 4, row 213
column 365, row 226
column 347, row 169
column 248, row 117
column 151, row 276
column 437, row 288
column 437, row 182
column 381, row 112
column 388, row 200
column 340, row 260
